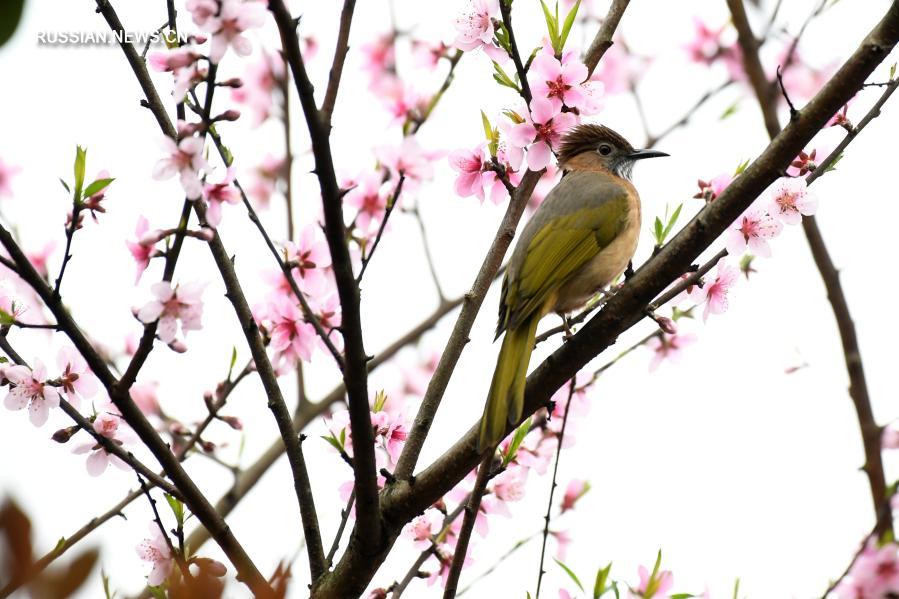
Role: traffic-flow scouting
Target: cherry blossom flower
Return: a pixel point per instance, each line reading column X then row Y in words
column 143, row 248
column 791, row 200
column 540, row 132
column 77, row 381
column 619, row 69
column 293, row 338
column 705, row 47
column 669, row 347
column 184, row 158
column 40, row 257
column 753, row 230
column 202, row 10
column 173, row 305
column 172, row 60
column 509, row 486
column 7, row 171
column 220, row 193
column 309, row 257
column 427, row 54
column 410, row 159
column 558, row 82
column 265, row 177
column 655, row 585
column 32, row 390
column 573, row 492
column 423, row 528
column 805, row 163
column 228, row 25
column 369, row 194
column 473, row 170
column 709, row 190
column 260, row 80
column 156, row 551
column 841, row 118
column 379, row 56
column 474, row 27
column 327, row 311
column 145, row 396
column 110, row 425
column 874, row 574
column 391, row 430
column 715, row 292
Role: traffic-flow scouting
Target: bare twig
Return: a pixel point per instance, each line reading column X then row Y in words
column 343, row 37
column 552, row 487
column 391, row 204
column 505, row 9
column 472, row 505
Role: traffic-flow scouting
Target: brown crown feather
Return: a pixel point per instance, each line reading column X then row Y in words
column 586, row 138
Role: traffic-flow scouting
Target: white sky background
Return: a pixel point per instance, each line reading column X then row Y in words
column 732, row 467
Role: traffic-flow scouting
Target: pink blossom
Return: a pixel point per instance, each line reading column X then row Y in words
column 156, row 551
column 619, row 69
column 509, row 486
column 576, row 489
column 143, row 248
column 669, row 347
column 77, row 381
column 791, row 200
column 184, row 158
column 390, row 434
column 558, row 82
column 889, row 437
column 753, row 230
column 327, row 311
column 172, row 60
column 706, row 46
column 423, row 528
column 474, row 27
column 541, row 131
column 474, row 172
column 379, row 56
column 293, row 338
column 408, row 158
column 427, row 54
column 654, row 585
column 228, row 25
column 220, row 193
column 709, row 190
column 202, row 10
column 7, row 171
column 110, row 425
column 30, row 390
column 369, row 196
column 260, row 80
column 715, row 292
column 145, row 396
column 874, row 574
column 265, row 177
column 841, row 118
column 173, row 305
column 40, row 257
column 309, row 257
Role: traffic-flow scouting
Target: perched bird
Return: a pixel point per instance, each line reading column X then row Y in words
column 580, row 238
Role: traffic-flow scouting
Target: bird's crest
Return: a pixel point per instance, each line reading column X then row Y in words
column 586, row 138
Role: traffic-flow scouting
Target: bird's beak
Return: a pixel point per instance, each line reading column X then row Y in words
column 641, row 154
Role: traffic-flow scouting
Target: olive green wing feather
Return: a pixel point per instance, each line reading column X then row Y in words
column 557, row 251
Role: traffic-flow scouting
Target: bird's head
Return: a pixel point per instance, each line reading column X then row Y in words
column 589, row 145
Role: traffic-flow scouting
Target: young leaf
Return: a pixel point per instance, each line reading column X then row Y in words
column 742, row 167
column 552, row 26
column 502, row 78
column 892, row 71
column 682, row 596
column 730, row 110
column 569, row 21
column 97, row 186
column 177, row 509
column 657, row 231
column 671, row 222
column 334, row 442
column 80, row 160
column 520, row 433
column 380, row 400
column 65, row 185
column 602, row 577
column 571, row 574
column 737, row 588
column 233, row 361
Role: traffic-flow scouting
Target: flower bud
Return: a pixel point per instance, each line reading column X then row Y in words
column 667, row 325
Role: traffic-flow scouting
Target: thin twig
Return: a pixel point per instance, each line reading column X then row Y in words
column 344, row 518
column 552, row 487
column 505, row 9
column 343, row 37
column 391, row 204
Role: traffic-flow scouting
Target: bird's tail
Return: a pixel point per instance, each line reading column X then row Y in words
column 505, row 401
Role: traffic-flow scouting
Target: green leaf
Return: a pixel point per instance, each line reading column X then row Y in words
column 334, row 442
column 657, row 230
column 59, row 544
column 730, row 110
column 520, row 433
column 569, row 21
column 833, row 165
column 671, row 222
column 736, row 587
column 107, row 592
column 80, row 161
column 380, row 400
column 502, row 38
column 682, row 595
column 177, row 509
column 552, row 26
column 742, row 167
column 892, row 71
column 602, row 577
column 570, row 574
column 97, row 186
column 65, row 185
column 233, row 361
column 6, row 318
column 157, row 592
column 502, row 78
column 10, row 15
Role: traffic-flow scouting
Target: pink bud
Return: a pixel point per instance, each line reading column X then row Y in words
column 234, row 82
column 229, row 115
column 667, row 325
column 232, row 421
column 178, row 346
column 205, row 233
column 151, row 237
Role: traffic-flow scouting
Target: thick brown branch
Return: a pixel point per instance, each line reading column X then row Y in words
column 367, row 532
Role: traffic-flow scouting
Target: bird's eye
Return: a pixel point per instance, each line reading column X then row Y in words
column 605, row 149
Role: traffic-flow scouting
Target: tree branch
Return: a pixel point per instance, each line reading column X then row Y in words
column 343, row 37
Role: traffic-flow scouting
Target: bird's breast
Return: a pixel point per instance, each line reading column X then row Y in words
column 610, row 262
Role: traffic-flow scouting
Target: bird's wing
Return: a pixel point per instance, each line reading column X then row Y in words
column 561, row 247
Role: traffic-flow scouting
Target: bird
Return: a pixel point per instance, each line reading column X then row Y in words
column 578, row 241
